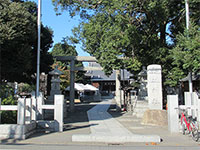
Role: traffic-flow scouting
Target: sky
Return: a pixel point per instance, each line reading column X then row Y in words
column 61, row 25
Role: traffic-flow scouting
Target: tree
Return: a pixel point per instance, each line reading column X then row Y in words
column 18, row 41
column 135, row 29
column 64, row 49
column 185, row 55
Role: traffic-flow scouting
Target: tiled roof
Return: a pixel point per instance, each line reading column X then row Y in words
column 98, row 75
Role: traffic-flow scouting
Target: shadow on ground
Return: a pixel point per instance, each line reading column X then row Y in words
column 74, row 121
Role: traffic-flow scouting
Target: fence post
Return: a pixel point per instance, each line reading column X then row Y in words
column 21, row 113
column 34, row 109
column 28, row 110
column 39, row 106
column 0, row 110
column 173, row 118
column 58, row 112
column 188, row 102
column 196, row 106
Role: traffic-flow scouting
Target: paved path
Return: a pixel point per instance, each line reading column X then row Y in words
column 104, row 128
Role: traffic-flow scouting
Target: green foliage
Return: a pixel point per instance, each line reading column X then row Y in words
column 65, row 77
column 7, row 98
column 25, row 87
column 135, row 84
column 18, row 41
column 134, row 29
column 139, row 31
column 10, row 100
column 5, row 90
column 8, row 117
column 65, row 49
column 185, row 55
column 174, row 76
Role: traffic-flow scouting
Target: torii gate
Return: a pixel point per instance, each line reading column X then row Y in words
column 72, row 60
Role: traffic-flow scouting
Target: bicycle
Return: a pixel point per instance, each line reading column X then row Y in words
column 189, row 124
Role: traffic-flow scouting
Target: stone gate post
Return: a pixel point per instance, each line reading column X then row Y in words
column 173, row 118
column 58, row 112
column 154, row 79
column 21, row 113
column 117, row 94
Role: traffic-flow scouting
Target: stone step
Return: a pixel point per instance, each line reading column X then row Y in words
column 140, row 108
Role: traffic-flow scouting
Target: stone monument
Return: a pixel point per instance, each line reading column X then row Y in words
column 154, row 89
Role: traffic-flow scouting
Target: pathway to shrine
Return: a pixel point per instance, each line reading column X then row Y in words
column 105, row 128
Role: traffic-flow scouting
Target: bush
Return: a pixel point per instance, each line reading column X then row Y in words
column 7, row 95
column 24, row 87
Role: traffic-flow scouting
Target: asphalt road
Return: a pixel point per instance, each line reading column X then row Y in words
column 92, row 147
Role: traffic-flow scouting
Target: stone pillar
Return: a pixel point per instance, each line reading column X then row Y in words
column 188, row 102
column 117, row 93
column 34, row 106
column 173, row 115
column 196, row 105
column 198, row 108
column 154, row 80
column 58, row 112
column 72, row 91
column 21, row 113
column 28, row 110
column 191, row 101
column 40, row 102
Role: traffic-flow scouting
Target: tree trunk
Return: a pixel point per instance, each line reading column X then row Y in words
column 162, row 33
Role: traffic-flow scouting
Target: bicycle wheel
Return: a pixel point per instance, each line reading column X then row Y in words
column 195, row 134
column 183, row 128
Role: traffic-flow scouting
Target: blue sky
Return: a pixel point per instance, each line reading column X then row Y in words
column 61, row 25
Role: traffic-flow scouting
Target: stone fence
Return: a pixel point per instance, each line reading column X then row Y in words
column 192, row 103
column 26, row 122
column 27, row 113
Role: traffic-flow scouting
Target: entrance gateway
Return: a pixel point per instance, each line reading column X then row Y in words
column 72, row 60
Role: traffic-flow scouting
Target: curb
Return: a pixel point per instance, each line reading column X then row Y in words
column 115, row 139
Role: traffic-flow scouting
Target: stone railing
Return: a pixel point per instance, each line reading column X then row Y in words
column 192, row 103
column 26, row 120
column 57, row 123
column 27, row 113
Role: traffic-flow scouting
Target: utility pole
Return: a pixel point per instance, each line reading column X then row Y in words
column 187, row 14
column 38, row 49
column 187, row 27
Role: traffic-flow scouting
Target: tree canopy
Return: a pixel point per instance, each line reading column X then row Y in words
column 185, row 55
column 18, row 41
column 138, row 30
column 65, row 49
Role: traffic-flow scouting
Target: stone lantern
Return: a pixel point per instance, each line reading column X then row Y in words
column 142, row 93
column 55, row 83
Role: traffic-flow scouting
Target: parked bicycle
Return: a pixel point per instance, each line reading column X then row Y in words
column 189, row 124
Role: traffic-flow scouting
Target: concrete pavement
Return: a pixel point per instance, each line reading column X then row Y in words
column 78, row 123
column 104, row 128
